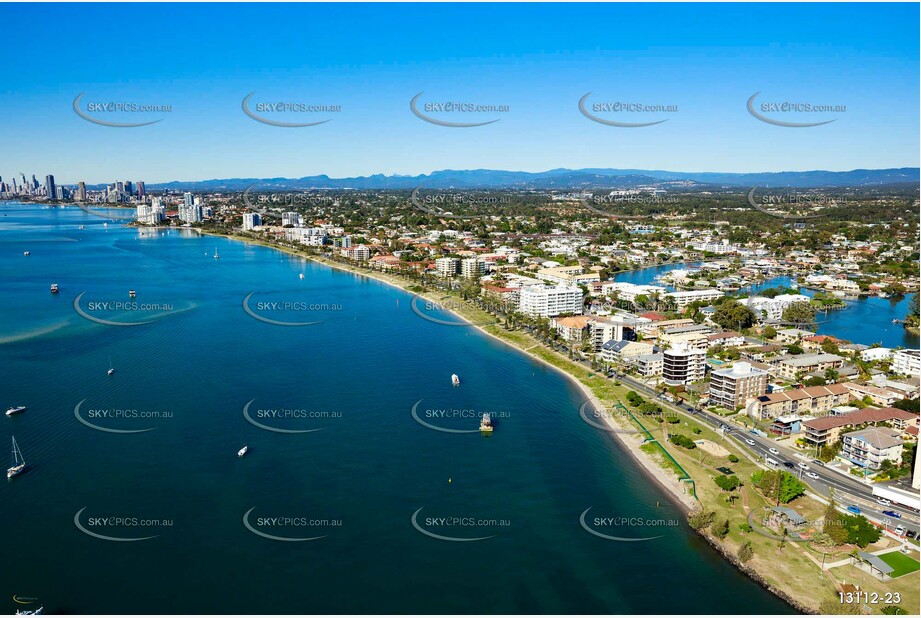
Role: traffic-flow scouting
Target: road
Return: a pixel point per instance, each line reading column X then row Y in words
column 848, row 491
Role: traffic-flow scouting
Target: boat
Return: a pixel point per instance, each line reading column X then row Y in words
column 111, row 368
column 486, row 423
column 132, row 293
column 15, row 410
column 216, row 256
column 54, row 288
column 242, row 451
column 31, row 612
column 27, row 253
column 301, row 275
column 19, row 464
column 454, row 379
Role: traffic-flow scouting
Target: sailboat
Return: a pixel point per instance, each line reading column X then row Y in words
column 19, row 464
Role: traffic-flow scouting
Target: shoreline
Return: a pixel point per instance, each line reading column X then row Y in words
column 667, row 481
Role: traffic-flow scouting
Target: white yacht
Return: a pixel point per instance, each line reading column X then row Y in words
column 242, row 451
column 454, row 379
column 15, row 410
column 19, row 464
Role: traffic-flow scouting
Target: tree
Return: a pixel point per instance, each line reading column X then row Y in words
column 700, row 519
column 746, row 552
column 778, row 485
column 832, row 375
column 727, row 483
column 833, row 524
column 720, row 528
column 799, row 313
column 769, row 332
column 731, row 314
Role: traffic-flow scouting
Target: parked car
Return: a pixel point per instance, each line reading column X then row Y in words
column 892, row 514
column 750, row 442
column 883, row 502
column 818, row 462
column 802, row 466
column 773, row 451
column 911, row 534
column 812, row 475
column 900, row 530
column 854, row 509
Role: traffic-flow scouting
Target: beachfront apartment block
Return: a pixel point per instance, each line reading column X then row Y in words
column 810, row 401
column 789, row 367
column 629, row 291
column 683, row 364
column 617, row 351
column 251, row 220
column 684, row 298
column 358, row 253
column 694, row 335
column 548, row 301
column 471, row 268
column 447, row 266
column 907, row 362
column 869, row 447
column 648, row 365
column 571, row 328
column 734, row 386
column 616, row 328
column 827, row 430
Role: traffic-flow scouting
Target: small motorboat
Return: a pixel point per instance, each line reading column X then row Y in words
column 454, row 379
column 242, row 451
column 54, row 288
column 132, row 293
column 27, row 253
column 15, row 410
column 486, row 425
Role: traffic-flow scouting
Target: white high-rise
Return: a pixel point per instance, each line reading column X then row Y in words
column 548, row 301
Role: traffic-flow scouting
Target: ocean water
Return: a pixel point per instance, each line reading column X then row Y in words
column 355, row 477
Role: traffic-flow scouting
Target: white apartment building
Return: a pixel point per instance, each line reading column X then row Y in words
column 447, row 266
column 548, row 301
column 771, row 309
column 149, row 214
column 684, row 298
column 869, row 447
column 251, row 220
column 733, row 387
column 629, row 291
column 472, row 268
column 290, row 218
column 683, row 364
column 907, row 362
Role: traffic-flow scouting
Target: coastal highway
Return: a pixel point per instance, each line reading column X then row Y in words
column 848, row 490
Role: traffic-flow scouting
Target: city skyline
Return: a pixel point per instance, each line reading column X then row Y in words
column 368, row 63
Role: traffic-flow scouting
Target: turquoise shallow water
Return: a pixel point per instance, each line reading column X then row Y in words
column 357, row 482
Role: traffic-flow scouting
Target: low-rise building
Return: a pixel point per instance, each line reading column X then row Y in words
column 810, row 401
column 684, row 298
column 648, row 365
column 790, row 367
column 907, row 362
column 879, row 396
column 869, row 447
column 571, row 328
column 616, row 351
column 827, row 430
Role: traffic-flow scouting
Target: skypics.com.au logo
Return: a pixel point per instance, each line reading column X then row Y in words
column 617, row 109
column 437, row 112
column 120, row 419
column 105, row 112
column 283, row 311
column 454, row 420
column 288, row 420
column 271, row 112
column 458, row 528
column 781, row 108
column 289, row 528
column 625, row 529
column 120, row 528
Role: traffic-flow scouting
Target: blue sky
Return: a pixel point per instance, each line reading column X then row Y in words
column 538, row 59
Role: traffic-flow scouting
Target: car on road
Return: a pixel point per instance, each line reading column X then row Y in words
column 854, row 509
column 773, row 451
column 892, row 514
column 802, row 466
column 750, row 442
column 900, row 530
column 788, row 464
column 883, row 502
column 818, row 462
column 812, row 475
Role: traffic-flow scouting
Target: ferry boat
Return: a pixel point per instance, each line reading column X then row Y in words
column 19, row 464
column 242, row 451
column 132, row 293
column 54, row 288
column 15, row 410
column 454, row 379
column 486, row 423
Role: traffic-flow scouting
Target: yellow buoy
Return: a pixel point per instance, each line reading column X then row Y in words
column 449, row 480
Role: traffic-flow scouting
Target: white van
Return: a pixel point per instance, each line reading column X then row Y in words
column 771, row 463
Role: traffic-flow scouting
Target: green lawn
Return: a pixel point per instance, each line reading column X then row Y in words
column 900, row 562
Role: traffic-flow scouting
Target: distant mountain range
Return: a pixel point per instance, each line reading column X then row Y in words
column 562, row 179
